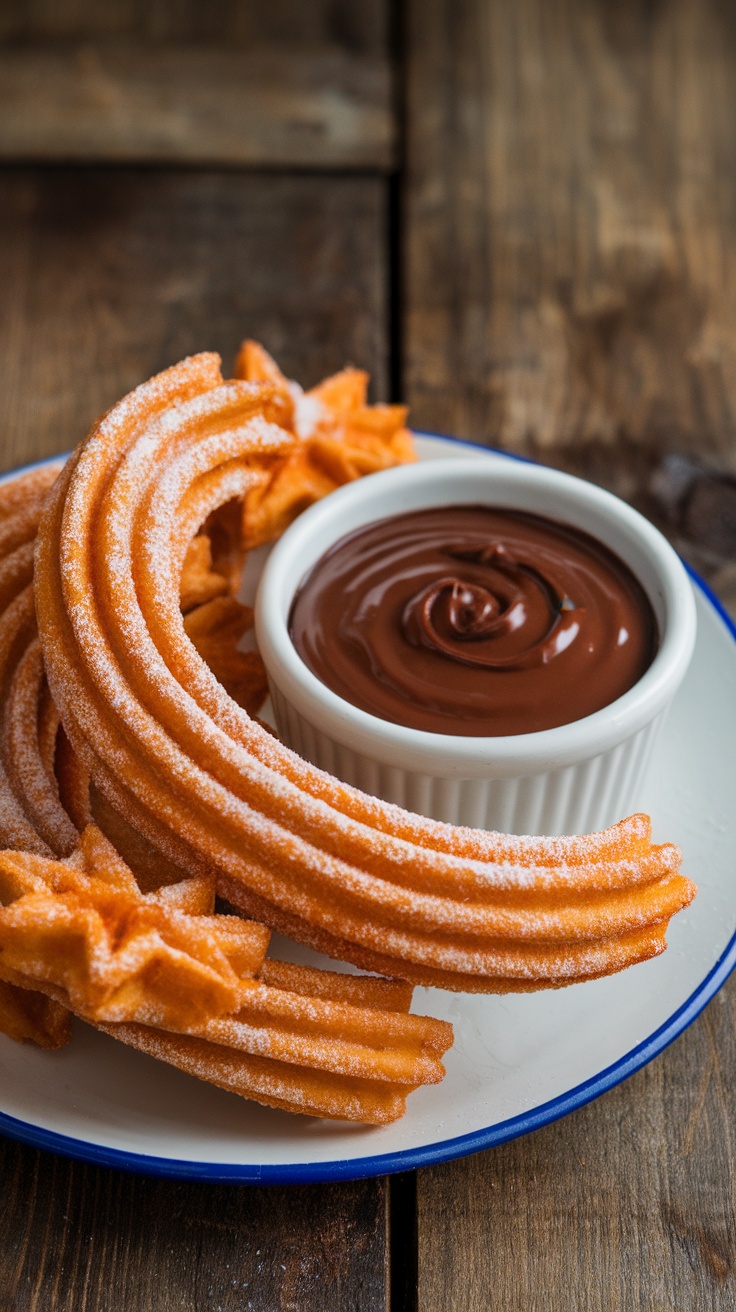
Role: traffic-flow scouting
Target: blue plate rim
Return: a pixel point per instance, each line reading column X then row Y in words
column 410, row 1158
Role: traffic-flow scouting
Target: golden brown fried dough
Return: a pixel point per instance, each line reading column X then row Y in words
column 160, row 971
column 189, row 768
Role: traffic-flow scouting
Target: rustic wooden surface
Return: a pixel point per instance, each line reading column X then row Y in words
column 569, row 264
column 109, row 276
column 213, row 105
column 75, row 1238
column 625, row 1205
column 553, row 270
column 357, row 25
column 571, row 256
column 231, row 82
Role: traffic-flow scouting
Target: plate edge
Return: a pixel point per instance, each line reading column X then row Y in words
column 411, row 1158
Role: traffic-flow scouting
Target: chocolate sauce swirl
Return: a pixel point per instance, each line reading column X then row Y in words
column 474, row 620
column 465, row 620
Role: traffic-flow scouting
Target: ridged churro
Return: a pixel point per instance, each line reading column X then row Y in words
column 340, row 438
column 162, row 972
column 143, row 957
column 187, row 767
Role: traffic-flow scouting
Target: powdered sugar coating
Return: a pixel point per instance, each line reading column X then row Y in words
column 31, row 816
column 208, row 783
column 35, row 786
column 82, row 933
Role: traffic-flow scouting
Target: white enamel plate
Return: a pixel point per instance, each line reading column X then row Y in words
column 518, row 1062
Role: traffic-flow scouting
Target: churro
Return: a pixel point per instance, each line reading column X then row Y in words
column 143, row 957
column 339, row 438
column 188, row 768
column 31, row 815
column 160, row 971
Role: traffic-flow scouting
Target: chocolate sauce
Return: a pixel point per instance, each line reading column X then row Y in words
column 474, row 620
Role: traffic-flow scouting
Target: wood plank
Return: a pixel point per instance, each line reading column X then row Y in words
column 627, row 1204
column 206, row 105
column 357, row 25
column 109, row 276
column 74, row 1236
column 570, row 268
column 571, row 245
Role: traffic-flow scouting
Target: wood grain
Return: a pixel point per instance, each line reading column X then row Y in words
column 627, row 1204
column 359, row 26
column 571, row 247
column 76, row 1237
column 207, row 105
column 109, row 276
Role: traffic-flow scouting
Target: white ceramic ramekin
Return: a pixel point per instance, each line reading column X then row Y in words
column 572, row 779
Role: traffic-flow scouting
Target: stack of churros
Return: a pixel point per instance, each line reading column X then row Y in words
column 161, row 972
column 149, row 730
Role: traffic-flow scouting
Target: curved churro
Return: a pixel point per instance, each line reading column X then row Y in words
column 31, row 815
column 145, row 959
column 188, row 768
column 28, row 789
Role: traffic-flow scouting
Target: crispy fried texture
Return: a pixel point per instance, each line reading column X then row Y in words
column 154, row 743
column 30, row 1017
column 341, row 438
column 348, row 874
column 85, row 935
column 143, row 956
column 200, row 583
column 215, row 629
column 32, row 816
column 162, row 972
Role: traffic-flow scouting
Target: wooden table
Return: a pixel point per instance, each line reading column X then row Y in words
column 520, row 215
